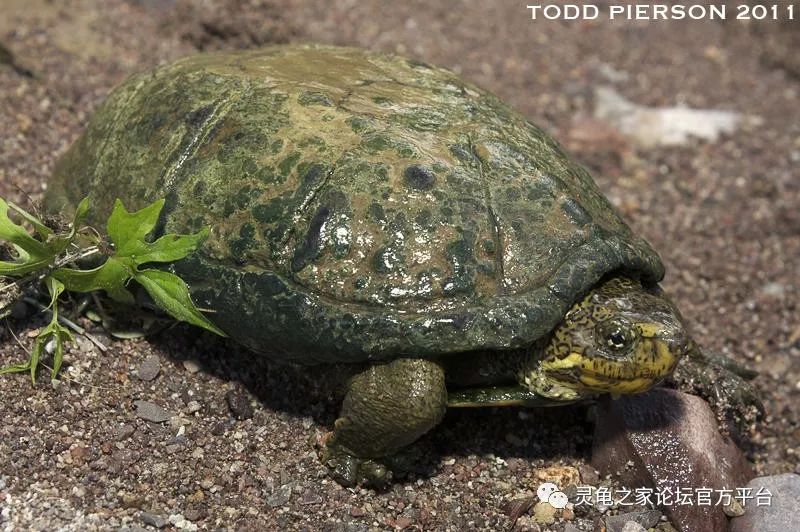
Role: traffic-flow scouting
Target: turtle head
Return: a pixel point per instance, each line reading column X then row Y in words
column 620, row 338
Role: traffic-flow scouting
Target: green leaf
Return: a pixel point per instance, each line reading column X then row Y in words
column 55, row 287
column 61, row 336
column 168, row 248
column 16, row 234
column 16, row 368
column 31, row 254
column 128, row 230
column 111, row 276
column 42, row 230
column 172, row 294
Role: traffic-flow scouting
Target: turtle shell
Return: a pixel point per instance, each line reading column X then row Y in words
column 361, row 206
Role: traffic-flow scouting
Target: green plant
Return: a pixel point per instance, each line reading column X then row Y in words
column 41, row 253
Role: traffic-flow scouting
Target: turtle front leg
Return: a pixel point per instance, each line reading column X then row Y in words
column 724, row 384
column 386, row 407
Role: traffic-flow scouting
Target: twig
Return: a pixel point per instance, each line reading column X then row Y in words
column 67, row 323
column 60, row 263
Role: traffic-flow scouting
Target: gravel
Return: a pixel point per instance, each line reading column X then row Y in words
column 724, row 215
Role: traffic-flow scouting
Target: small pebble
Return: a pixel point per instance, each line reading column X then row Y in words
column 633, row 526
column 239, row 404
column 191, row 366
column 645, row 519
column 149, row 368
column 151, row 412
column 402, row 522
column 734, row 509
column 124, row 432
column 280, row 496
column 544, row 513
column 154, row 520
column 181, row 523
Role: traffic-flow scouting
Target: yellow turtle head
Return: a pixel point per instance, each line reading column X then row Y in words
column 620, row 338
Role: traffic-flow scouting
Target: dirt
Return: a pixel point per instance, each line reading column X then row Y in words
column 725, row 217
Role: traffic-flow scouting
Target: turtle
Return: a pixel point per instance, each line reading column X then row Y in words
column 380, row 214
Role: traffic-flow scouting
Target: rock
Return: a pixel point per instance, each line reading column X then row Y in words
column 668, row 441
column 588, row 474
column 633, row 526
column 149, row 368
column 154, row 520
column 193, row 407
column 151, row 412
column 191, row 366
column 180, row 522
column 402, row 522
column 280, row 496
column 645, row 519
column 239, row 404
column 661, row 126
column 561, row 476
column 775, row 511
column 123, row 432
column 516, row 508
column 544, row 513
column 733, row 509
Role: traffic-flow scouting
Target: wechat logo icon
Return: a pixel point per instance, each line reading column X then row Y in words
column 549, row 493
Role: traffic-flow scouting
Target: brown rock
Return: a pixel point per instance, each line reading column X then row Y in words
column 561, row 476
column 667, row 440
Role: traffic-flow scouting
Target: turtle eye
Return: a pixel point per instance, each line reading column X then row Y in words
column 615, row 335
column 617, row 339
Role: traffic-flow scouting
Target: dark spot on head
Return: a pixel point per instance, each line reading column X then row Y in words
column 419, row 178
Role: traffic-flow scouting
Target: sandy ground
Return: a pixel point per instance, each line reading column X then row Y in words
column 724, row 215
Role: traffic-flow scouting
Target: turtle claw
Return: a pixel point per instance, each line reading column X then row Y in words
column 724, row 384
column 350, row 471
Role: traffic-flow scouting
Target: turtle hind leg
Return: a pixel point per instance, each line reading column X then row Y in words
column 386, row 408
